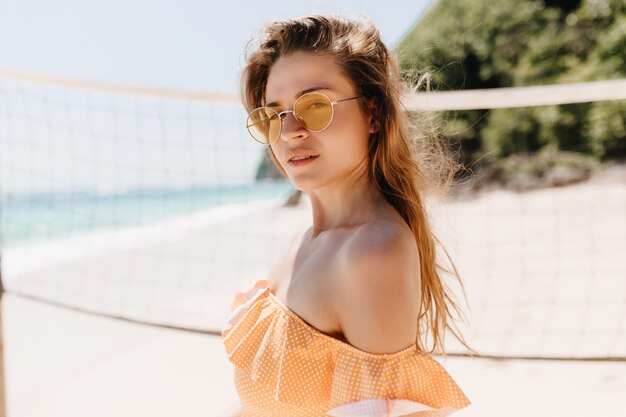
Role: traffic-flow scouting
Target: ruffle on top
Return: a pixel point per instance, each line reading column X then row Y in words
column 304, row 367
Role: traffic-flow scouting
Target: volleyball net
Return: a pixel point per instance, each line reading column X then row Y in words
column 155, row 206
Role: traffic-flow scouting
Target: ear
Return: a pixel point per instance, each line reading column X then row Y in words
column 374, row 126
column 374, row 122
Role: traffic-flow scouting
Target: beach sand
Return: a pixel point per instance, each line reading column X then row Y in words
column 543, row 272
column 66, row 364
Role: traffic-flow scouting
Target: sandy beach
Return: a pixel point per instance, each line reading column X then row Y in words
column 543, row 273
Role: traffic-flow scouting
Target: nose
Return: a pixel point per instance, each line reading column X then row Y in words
column 291, row 128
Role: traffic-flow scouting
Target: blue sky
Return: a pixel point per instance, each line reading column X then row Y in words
column 179, row 44
column 65, row 139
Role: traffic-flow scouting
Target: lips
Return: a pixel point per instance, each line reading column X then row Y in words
column 299, row 161
column 301, row 158
column 298, row 153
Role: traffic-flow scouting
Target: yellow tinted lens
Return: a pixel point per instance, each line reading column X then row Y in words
column 313, row 111
column 264, row 124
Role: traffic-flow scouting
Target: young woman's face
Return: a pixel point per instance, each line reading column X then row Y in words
column 341, row 148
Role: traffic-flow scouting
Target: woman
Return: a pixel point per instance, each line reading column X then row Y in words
column 335, row 328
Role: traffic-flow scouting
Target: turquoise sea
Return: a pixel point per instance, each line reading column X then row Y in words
column 39, row 217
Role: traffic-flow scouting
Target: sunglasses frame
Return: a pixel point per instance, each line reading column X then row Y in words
column 333, row 103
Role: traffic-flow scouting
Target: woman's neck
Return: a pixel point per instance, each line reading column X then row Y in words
column 345, row 205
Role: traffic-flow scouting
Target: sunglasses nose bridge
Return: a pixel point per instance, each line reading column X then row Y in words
column 283, row 116
column 291, row 130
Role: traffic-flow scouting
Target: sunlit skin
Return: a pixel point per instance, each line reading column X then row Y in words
column 337, row 181
column 352, row 274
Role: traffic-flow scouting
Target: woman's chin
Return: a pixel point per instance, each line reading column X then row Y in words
column 301, row 188
column 303, row 185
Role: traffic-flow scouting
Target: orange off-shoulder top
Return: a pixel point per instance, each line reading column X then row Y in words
column 283, row 367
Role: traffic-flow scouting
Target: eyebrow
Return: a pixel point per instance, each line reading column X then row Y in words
column 308, row 90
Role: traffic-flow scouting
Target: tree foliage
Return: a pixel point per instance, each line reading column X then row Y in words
column 506, row 43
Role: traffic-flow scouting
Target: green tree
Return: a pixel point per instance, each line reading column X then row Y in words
column 505, row 43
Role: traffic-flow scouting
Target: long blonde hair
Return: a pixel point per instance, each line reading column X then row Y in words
column 403, row 169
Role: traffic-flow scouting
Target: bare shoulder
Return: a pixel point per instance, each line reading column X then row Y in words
column 380, row 288
column 386, row 237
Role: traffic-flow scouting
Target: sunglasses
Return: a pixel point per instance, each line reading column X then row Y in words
column 314, row 111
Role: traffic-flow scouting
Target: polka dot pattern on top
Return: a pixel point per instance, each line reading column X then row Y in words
column 285, row 367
